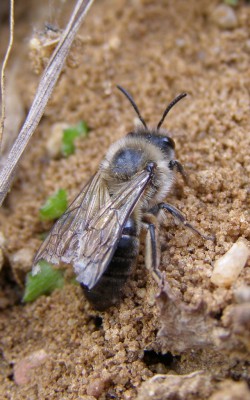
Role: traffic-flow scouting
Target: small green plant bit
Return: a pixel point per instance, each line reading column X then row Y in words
column 54, row 206
column 69, row 136
column 232, row 3
column 42, row 280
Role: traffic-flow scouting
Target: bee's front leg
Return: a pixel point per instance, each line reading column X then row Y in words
column 175, row 164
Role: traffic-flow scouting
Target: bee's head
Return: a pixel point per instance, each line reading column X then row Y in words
column 157, row 136
column 160, row 139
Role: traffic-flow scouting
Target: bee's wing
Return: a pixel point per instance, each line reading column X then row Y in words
column 86, row 235
column 63, row 240
column 97, row 243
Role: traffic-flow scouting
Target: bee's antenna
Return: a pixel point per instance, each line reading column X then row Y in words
column 130, row 98
column 173, row 102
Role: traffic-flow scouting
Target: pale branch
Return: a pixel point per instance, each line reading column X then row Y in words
column 10, row 44
column 43, row 93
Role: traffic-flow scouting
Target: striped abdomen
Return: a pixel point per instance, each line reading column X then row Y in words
column 108, row 290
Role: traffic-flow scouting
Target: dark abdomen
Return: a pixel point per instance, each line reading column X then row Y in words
column 108, row 290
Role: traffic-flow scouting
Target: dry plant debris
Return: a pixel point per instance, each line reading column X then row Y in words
column 43, row 93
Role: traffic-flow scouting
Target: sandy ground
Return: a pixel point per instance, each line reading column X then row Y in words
column 193, row 340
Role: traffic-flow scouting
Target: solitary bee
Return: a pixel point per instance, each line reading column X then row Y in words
column 99, row 233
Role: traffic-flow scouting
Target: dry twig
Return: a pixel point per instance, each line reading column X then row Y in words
column 3, row 70
column 44, row 91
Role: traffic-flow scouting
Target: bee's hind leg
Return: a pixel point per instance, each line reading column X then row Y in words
column 152, row 245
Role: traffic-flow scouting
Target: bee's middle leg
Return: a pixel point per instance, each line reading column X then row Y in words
column 179, row 216
column 152, row 250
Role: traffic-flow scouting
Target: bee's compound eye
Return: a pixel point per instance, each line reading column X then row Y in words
column 168, row 142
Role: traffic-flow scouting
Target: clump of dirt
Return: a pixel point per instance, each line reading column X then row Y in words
column 58, row 346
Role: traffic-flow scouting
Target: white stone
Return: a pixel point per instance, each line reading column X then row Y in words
column 224, row 16
column 228, row 267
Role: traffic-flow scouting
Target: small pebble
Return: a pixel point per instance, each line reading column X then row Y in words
column 54, row 141
column 228, row 267
column 22, row 259
column 96, row 387
column 22, row 367
column 224, row 16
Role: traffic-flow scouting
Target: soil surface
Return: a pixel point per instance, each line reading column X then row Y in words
column 189, row 339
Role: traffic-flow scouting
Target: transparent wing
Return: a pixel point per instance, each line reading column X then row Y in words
column 98, row 242
column 87, row 234
column 61, row 243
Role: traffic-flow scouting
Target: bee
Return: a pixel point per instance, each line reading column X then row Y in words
column 99, row 233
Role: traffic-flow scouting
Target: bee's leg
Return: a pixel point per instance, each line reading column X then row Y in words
column 178, row 215
column 175, row 164
column 152, row 250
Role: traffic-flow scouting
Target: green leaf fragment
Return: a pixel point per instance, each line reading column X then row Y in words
column 231, row 2
column 54, row 206
column 42, row 280
column 69, row 136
